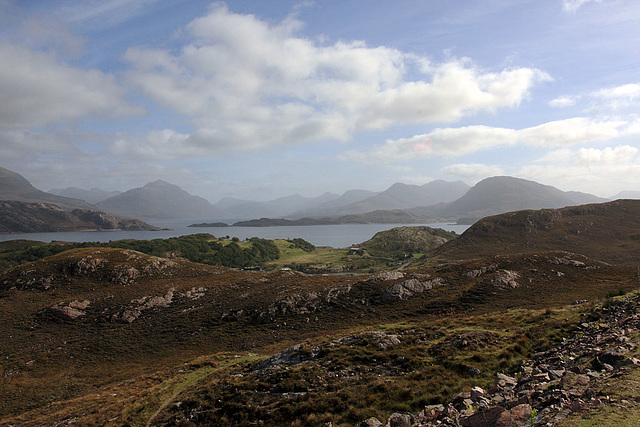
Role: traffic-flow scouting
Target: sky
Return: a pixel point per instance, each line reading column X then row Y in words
column 263, row 99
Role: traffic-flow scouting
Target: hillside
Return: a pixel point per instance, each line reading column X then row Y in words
column 112, row 334
column 605, row 231
column 14, row 186
column 502, row 194
column 22, row 217
column 407, row 240
column 158, row 200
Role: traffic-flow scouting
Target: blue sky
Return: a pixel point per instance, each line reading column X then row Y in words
column 263, row 99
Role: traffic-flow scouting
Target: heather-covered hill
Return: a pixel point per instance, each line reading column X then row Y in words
column 407, row 240
column 109, row 333
column 606, row 231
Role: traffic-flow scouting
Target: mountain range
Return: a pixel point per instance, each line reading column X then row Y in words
column 438, row 200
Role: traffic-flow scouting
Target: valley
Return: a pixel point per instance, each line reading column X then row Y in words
column 160, row 333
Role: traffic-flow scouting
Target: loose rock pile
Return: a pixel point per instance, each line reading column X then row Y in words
column 551, row 385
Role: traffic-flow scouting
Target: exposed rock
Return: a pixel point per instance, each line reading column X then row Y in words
column 86, row 265
column 124, row 275
column 479, row 272
column 554, row 383
column 387, row 275
column 371, row 422
column 293, row 355
column 136, row 307
column 195, row 293
column 400, row 420
column 71, row 311
column 506, row 279
column 409, row 288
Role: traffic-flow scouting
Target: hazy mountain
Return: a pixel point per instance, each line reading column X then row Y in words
column 280, row 207
column 92, row 196
column 330, row 207
column 501, row 194
column 160, row 200
column 14, row 186
column 399, row 196
column 627, row 194
column 605, row 231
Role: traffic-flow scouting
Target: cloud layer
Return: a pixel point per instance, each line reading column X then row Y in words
column 247, row 84
column 454, row 142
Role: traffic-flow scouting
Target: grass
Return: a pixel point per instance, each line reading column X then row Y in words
column 359, row 380
column 74, row 361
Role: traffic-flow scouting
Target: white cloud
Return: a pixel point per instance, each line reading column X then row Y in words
column 604, row 172
column 472, row 171
column 619, row 96
column 38, row 90
column 562, row 101
column 250, row 84
column 453, row 142
column 573, row 5
column 606, row 157
column 607, row 99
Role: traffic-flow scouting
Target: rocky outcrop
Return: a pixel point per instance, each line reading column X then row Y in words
column 86, row 265
column 411, row 287
column 70, row 311
column 24, row 217
column 124, row 275
column 136, row 307
column 550, row 386
column 300, row 353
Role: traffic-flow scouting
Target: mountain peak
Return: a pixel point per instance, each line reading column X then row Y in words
column 159, row 183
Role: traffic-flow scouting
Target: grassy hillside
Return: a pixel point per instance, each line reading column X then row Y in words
column 103, row 324
column 606, row 231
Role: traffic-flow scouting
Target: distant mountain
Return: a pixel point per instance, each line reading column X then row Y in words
column 92, row 196
column 159, row 200
column 400, row 196
column 329, row 208
column 14, row 186
column 501, row 194
column 25, row 217
column 605, row 231
column 281, row 207
column 627, row 194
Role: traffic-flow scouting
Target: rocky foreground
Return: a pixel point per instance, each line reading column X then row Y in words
column 567, row 379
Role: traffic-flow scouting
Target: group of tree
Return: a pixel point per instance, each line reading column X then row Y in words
column 202, row 247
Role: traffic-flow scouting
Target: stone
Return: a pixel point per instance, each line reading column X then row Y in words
column 476, row 393
column 400, row 420
column 371, row 422
column 515, row 417
column 505, row 380
column 486, row 418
